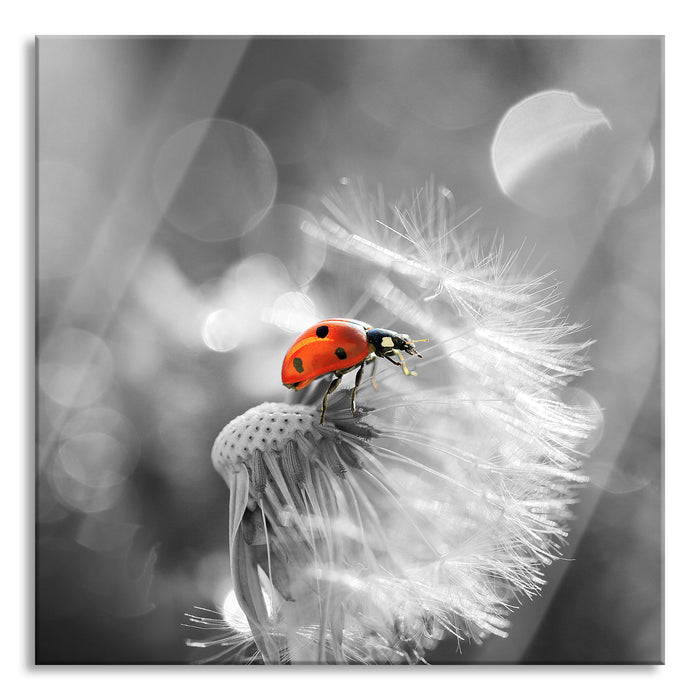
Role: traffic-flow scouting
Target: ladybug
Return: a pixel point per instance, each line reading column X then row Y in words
column 338, row 346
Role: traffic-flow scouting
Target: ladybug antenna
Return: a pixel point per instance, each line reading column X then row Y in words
column 419, row 340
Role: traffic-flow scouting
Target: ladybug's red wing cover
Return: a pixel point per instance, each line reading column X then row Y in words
column 325, row 347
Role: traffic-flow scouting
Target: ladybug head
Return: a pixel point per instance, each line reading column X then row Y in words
column 385, row 342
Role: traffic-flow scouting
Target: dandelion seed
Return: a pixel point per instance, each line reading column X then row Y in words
column 434, row 512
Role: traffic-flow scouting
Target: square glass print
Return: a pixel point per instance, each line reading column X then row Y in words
column 349, row 350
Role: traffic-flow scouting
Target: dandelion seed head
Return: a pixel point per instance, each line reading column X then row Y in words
column 436, row 509
column 267, row 426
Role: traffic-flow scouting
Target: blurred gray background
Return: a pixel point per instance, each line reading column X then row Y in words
column 173, row 175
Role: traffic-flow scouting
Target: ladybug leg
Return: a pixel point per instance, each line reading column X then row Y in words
column 358, row 379
column 374, row 369
column 405, row 369
column 331, row 388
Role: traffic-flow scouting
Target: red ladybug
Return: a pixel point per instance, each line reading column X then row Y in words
column 338, row 346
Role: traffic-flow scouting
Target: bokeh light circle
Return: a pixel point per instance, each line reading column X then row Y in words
column 102, row 419
column 97, row 460
column 215, row 179
column 541, row 153
column 280, row 234
column 233, row 614
column 258, row 279
column 220, row 330
column 293, row 312
column 213, row 575
column 85, row 498
column 75, row 367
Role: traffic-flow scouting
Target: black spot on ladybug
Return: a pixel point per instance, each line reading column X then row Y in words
column 298, row 364
column 322, row 331
column 340, row 352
